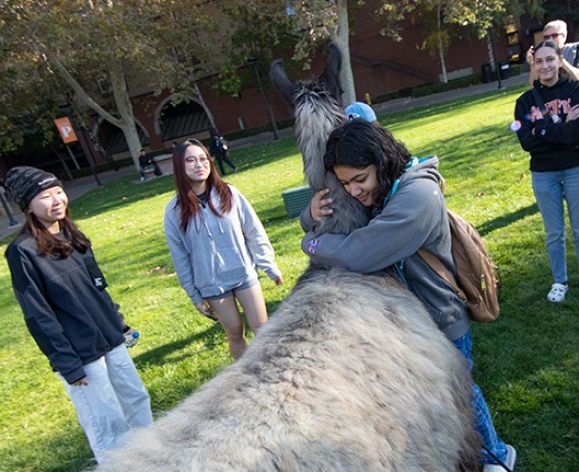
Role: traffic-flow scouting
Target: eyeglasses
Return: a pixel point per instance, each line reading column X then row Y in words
column 203, row 160
column 551, row 36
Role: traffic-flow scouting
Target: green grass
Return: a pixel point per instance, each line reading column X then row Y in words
column 527, row 362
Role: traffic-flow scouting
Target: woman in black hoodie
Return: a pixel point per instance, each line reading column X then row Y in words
column 547, row 127
column 70, row 315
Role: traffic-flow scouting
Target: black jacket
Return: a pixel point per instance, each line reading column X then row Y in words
column 216, row 146
column 67, row 310
column 145, row 160
column 553, row 143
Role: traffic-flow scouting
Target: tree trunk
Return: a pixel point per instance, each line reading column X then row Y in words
column 440, row 44
column 491, row 52
column 266, row 101
column 125, row 109
column 201, row 101
column 127, row 121
column 342, row 40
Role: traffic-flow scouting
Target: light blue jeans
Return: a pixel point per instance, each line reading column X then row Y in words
column 550, row 189
column 114, row 401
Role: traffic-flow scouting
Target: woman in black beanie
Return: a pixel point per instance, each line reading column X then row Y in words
column 70, row 315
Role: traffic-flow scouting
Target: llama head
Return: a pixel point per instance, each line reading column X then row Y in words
column 317, row 109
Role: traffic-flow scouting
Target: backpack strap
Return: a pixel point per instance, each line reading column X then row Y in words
column 433, row 262
column 414, row 161
column 437, row 266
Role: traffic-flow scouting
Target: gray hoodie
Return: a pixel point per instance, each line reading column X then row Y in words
column 414, row 218
column 217, row 254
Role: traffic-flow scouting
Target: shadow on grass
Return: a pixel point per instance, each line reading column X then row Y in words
column 506, row 220
column 117, row 194
column 390, row 120
column 160, row 354
column 125, row 191
column 462, row 153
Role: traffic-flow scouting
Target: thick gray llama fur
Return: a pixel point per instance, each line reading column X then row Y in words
column 351, row 374
column 318, row 111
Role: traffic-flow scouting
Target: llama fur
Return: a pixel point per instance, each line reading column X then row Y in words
column 351, row 374
column 318, row 111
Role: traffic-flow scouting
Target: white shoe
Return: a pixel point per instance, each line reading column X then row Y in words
column 142, row 179
column 557, row 292
column 509, row 462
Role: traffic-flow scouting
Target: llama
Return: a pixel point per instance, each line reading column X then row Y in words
column 318, row 112
column 350, row 374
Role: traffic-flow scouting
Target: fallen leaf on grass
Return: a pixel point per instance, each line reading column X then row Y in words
column 157, row 269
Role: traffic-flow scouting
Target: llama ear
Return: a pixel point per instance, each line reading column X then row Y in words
column 331, row 74
column 280, row 80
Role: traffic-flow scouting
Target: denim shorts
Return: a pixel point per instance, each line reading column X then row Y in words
column 229, row 293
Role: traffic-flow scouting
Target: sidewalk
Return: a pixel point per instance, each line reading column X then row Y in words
column 81, row 186
column 409, row 103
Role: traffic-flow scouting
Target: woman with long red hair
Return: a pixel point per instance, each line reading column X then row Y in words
column 216, row 243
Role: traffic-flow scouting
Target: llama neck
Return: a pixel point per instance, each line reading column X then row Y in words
column 315, row 120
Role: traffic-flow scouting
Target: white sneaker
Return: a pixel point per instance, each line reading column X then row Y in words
column 557, row 292
column 142, row 179
column 509, row 462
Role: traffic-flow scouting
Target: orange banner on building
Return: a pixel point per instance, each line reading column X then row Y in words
column 65, row 129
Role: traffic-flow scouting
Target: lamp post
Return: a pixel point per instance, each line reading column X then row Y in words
column 497, row 69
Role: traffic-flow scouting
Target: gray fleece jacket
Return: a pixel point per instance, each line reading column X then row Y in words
column 414, row 218
column 217, row 254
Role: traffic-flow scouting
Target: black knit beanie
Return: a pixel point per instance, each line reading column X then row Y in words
column 23, row 183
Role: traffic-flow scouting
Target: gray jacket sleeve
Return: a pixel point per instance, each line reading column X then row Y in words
column 405, row 225
column 180, row 256
column 256, row 238
column 306, row 220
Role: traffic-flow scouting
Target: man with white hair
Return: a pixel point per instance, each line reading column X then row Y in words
column 556, row 31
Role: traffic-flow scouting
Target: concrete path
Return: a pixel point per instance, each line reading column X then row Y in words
column 81, row 186
column 409, row 103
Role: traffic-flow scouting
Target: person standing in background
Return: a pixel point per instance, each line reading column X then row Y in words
column 556, row 31
column 146, row 162
column 219, row 150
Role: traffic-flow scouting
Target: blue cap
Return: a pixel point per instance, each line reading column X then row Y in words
column 360, row 110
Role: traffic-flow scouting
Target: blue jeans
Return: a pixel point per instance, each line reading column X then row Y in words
column 483, row 420
column 114, row 401
column 550, row 189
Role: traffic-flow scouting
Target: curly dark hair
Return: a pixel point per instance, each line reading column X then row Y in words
column 358, row 143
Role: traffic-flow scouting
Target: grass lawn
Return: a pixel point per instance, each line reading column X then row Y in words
column 527, row 362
